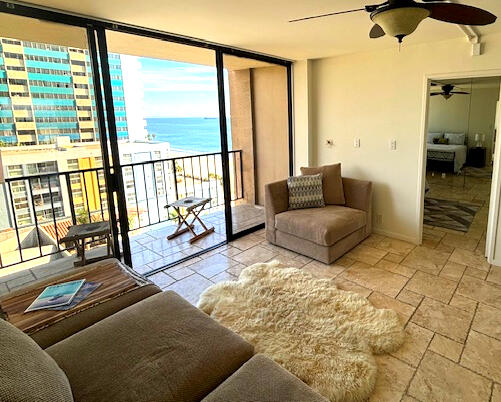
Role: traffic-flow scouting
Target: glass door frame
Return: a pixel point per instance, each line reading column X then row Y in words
column 98, row 56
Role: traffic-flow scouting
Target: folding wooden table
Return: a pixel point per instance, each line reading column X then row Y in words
column 191, row 206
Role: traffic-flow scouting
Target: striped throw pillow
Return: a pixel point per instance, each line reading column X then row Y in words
column 305, row 192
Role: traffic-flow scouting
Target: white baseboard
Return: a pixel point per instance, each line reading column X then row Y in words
column 399, row 236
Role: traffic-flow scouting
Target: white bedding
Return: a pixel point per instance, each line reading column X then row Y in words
column 459, row 150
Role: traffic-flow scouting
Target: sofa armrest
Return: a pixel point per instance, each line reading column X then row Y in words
column 358, row 195
column 276, row 200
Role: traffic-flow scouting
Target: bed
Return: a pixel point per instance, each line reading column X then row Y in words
column 446, row 157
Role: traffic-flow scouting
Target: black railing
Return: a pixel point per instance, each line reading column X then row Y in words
column 41, row 207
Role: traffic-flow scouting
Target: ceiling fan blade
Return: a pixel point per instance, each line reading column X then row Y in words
column 460, row 14
column 460, row 93
column 327, row 15
column 376, row 32
column 432, row 1
column 436, row 93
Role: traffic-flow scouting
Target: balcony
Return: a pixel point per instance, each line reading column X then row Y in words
column 30, row 250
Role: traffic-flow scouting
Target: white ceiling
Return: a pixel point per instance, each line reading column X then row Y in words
column 262, row 26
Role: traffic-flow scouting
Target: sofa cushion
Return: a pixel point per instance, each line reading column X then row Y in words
column 305, row 192
column 27, row 373
column 332, row 182
column 160, row 349
column 261, row 379
column 323, row 226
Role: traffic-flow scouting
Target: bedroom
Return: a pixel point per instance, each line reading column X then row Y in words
column 462, row 118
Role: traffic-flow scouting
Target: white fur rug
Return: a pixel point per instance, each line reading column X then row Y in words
column 323, row 335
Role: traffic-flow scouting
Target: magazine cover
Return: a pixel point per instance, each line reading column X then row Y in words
column 56, row 295
column 86, row 289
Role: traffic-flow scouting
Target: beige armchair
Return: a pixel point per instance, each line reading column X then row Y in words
column 324, row 234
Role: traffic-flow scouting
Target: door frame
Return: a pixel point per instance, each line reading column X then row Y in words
column 494, row 202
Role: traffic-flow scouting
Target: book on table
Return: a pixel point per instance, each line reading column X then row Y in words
column 56, row 295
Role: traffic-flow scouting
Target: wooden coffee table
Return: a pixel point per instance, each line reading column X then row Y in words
column 191, row 206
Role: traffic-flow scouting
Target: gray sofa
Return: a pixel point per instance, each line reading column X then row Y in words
column 324, row 234
column 159, row 349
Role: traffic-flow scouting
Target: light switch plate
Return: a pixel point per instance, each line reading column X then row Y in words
column 393, row 144
column 356, row 143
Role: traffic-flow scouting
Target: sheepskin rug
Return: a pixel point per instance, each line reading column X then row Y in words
column 323, row 335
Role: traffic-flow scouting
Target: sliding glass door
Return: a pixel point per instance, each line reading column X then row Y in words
column 256, row 107
column 104, row 122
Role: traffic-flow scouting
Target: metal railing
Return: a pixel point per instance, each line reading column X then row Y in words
column 41, row 207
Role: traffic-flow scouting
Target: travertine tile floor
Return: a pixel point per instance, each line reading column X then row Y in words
column 445, row 292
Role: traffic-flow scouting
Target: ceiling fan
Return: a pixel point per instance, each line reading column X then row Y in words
column 399, row 18
column 447, row 91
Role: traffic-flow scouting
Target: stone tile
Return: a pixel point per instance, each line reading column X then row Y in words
column 470, row 258
column 287, row 261
column 460, row 241
column 426, row 259
column 395, row 246
column 304, row 259
column 191, row 287
column 446, row 347
column 394, row 257
column 481, row 291
column 231, row 251
column 223, row 276
column 349, row 286
column 496, row 393
column 375, row 278
column 476, row 273
column 439, row 379
column 396, row 268
column 144, row 257
column 323, row 271
column 446, row 320
column 488, row 321
column 416, row 342
column 161, row 279
column 410, row 297
column 180, row 273
column 345, row 261
column 213, row 265
column 482, row 354
column 431, row 240
column 453, row 271
column 373, row 240
column 366, row 254
column 408, row 398
column 164, row 261
column 463, row 303
column 380, row 300
column 246, row 242
column 254, row 255
column 392, row 380
column 444, row 247
column 236, row 269
column 494, row 274
column 432, row 286
column 278, row 250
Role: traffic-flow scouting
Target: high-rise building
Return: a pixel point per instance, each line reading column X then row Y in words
column 46, row 91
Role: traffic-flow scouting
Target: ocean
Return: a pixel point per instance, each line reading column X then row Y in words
column 190, row 133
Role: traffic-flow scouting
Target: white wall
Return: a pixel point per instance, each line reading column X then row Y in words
column 378, row 96
column 471, row 114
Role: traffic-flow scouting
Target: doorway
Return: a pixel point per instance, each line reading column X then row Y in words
column 460, row 160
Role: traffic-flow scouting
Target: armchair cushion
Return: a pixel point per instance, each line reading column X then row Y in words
column 332, row 183
column 324, row 226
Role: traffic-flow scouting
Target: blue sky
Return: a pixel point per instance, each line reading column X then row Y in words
column 173, row 89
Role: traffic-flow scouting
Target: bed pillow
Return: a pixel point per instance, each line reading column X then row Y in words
column 455, row 138
column 433, row 136
column 441, row 141
column 305, row 192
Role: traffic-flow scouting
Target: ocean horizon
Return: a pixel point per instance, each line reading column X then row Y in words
column 200, row 134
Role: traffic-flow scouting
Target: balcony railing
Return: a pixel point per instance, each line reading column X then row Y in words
column 42, row 207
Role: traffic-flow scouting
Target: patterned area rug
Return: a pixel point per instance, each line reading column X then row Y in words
column 481, row 173
column 325, row 336
column 456, row 215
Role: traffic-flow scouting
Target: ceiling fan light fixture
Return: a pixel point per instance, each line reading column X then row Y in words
column 447, row 96
column 399, row 22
